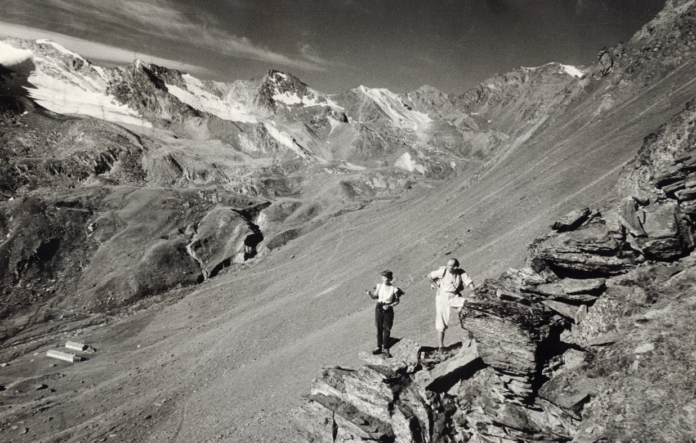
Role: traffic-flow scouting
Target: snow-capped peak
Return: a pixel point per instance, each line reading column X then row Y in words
column 563, row 69
column 61, row 88
column 572, row 70
column 10, row 56
column 60, row 48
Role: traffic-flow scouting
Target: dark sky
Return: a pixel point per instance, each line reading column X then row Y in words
column 335, row 45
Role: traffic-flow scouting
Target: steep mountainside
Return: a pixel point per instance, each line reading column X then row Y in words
column 212, row 241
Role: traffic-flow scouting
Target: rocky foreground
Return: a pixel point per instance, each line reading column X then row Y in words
column 591, row 342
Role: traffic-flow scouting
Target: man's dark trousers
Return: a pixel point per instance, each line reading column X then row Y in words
column 384, row 321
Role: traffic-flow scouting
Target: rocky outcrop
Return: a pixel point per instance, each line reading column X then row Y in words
column 222, row 237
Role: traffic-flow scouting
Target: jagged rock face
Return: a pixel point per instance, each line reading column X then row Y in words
column 663, row 43
column 667, row 151
column 516, row 102
column 278, row 86
column 509, row 333
column 589, row 250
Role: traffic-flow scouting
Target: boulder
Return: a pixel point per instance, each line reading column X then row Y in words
column 522, row 277
column 444, row 375
column 369, row 391
column 569, row 289
column 405, row 354
column 572, row 220
column 224, row 235
column 573, row 358
column 591, row 251
column 629, row 218
column 509, row 334
column 666, row 237
column 573, row 286
column 570, row 391
column 564, row 309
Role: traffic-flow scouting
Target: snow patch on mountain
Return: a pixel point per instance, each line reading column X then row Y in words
column 572, row 70
column 197, row 97
column 61, row 49
column 73, row 98
column 292, row 99
column 408, row 163
column 61, row 89
column 283, row 138
column 10, row 56
column 393, row 107
column 562, row 69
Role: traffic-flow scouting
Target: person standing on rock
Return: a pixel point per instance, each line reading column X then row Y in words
column 387, row 296
column 449, row 281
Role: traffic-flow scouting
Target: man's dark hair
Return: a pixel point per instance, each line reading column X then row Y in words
column 456, row 262
column 387, row 274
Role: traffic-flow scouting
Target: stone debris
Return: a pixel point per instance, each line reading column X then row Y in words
column 605, row 339
column 644, row 348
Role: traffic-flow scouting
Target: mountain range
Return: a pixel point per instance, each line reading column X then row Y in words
column 212, row 240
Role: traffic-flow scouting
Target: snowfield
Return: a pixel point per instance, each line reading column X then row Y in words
column 10, row 56
column 69, row 92
column 196, row 96
column 392, row 105
column 67, row 98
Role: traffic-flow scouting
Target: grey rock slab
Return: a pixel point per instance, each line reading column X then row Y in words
column 570, row 391
column 605, row 339
column 405, row 353
column 564, row 309
column 314, row 422
column 580, row 314
column 572, row 286
column 453, row 368
column 572, row 358
column 644, row 348
column 572, row 220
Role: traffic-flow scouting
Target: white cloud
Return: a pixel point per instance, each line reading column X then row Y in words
column 95, row 51
column 310, row 53
column 160, row 19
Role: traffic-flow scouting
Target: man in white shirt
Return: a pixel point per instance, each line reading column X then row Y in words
column 450, row 281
